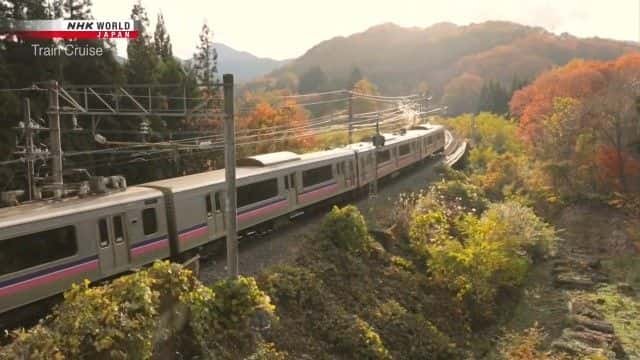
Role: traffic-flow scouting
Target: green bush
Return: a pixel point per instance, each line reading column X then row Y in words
column 221, row 316
column 426, row 230
column 462, row 194
column 410, row 335
column 346, row 228
column 293, row 286
column 39, row 343
column 122, row 319
column 351, row 336
column 476, row 271
column 267, row 351
column 520, row 228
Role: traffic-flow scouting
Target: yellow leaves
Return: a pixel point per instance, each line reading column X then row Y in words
column 121, row 320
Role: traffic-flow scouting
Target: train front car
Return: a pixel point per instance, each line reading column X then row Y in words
column 46, row 246
column 433, row 139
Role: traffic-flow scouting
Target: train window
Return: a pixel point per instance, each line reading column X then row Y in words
column 259, row 191
column 217, row 203
column 118, row 229
column 316, row 176
column 286, row 182
column 149, row 221
column 26, row 251
column 404, row 149
column 293, row 180
column 207, row 200
column 383, row 156
column 338, row 170
column 104, row 232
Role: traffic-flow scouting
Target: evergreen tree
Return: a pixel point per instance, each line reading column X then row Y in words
column 162, row 40
column 493, row 98
column 356, row 75
column 142, row 59
column 206, row 59
column 72, row 9
column 312, row 80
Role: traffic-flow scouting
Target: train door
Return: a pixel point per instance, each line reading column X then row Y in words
column 290, row 189
column 113, row 248
column 215, row 213
column 350, row 174
column 340, row 174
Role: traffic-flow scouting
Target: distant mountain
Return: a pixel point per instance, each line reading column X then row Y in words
column 400, row 60
column 243, row 65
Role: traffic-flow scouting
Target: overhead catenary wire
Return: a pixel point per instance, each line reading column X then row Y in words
column 250, row 136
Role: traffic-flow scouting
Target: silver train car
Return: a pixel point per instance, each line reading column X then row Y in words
column 46, row 246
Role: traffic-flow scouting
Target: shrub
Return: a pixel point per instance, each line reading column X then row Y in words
column 220, row 316
column 346, row 228
column 293, row 286
column 526, row 346
column 350, row 335
column 122, row 319
column 463, row 194
column 410, row 335
column 426, row 230
column 520, row 228
column 39, row 343
column 476, row 271
column 267, row 351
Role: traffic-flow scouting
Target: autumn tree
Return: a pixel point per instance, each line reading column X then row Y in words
column 583, row 120
column 617, row 126
column 274, row 124
column 364, row 105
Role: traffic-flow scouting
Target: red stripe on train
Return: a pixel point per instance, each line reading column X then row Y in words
column 47, row 278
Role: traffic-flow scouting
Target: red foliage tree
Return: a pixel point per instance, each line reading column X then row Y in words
column 608, row 94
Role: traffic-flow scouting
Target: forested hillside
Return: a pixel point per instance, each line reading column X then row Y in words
column 450, row 60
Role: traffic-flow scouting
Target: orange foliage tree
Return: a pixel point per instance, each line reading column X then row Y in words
column 582, row 115
column 270, row 123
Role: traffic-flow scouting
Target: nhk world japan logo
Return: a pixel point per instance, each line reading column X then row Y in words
column 70, row 29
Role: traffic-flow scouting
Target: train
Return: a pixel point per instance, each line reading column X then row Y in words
column 47, row 245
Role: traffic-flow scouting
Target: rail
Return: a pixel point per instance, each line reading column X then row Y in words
column 457, row 154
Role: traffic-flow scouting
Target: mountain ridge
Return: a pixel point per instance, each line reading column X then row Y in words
column 398, row 59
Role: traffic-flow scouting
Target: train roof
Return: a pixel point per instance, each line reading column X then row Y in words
column 47, row 209
column 391, row 139
column 253, row 166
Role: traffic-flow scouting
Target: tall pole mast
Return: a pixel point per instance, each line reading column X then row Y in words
column 230, row 178
column 350, row 117
column 29, row 148
column 55, row 143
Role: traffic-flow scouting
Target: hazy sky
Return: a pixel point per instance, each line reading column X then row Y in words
column 287, row 28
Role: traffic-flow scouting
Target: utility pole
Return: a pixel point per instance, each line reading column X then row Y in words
column 350, row 117
column 230, row 208
column 55, row 142
column 29, row 148
column 378, row 143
